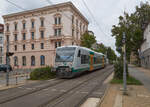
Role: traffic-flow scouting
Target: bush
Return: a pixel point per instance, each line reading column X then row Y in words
column 42, row 74
column 118, row 68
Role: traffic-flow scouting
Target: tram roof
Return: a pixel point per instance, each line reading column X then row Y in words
column 82, row 48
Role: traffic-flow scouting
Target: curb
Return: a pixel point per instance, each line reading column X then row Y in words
column 105, row 93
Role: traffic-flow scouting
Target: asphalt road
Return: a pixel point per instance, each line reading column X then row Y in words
column 57, row 92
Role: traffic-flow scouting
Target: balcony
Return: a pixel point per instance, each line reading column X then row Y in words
column 55, row 26
column 53, row 38
column 7, row 32
column 15, row 32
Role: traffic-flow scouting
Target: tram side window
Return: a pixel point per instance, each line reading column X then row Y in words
column 97, row 60
column 79, row 53
column 84, row 59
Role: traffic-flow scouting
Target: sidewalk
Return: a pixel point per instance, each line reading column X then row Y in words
column 138, row 96
column 141, row 74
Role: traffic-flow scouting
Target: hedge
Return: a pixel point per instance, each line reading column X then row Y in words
column 43, row 73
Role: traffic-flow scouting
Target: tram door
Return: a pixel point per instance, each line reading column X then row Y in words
column 91, row 62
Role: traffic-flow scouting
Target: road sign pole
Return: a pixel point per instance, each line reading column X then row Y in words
column 124, row 65
column 7, row 61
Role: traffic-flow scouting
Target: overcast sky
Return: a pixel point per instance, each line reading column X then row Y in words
column 105, row 12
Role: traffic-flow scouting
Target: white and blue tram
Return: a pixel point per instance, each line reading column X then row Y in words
column 71, row 61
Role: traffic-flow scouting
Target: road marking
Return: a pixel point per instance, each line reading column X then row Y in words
column 84, row 92
column 141, row 95
column 99, row 93
column 51, row 80
column 54, row 90
column 91, row 102
column 63, row 90
column 29, row 88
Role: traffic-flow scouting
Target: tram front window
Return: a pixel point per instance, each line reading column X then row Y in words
column 65, row 54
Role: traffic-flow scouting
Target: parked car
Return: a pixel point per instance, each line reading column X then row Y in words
column 3, row 67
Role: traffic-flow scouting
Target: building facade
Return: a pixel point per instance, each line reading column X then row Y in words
column 34, row 35
column 145, row 48
column 1, row 43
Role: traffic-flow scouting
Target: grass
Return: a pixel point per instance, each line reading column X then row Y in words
column 130, row 81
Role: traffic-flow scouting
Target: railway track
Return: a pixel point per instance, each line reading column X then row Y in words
column 59, row 99
column 10, row 98
column 56, row 100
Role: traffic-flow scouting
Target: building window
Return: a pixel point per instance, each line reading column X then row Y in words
column 16, row 37
column 15, row 61
column 1, row 49
column 57, row 20
column 15, row 26
column 24, row 47
column 1, row 60
column 42, row 23
column 32, row 60
column 24, row 36
column 42, row 45
column 42, row 34
column 24, row 60
column 15, row 47
column 57, row 44
column 77, row 23
column 72, row 43
column 42, row 60
column 57, row 32
column 24, row 25
column 7, row 27
column 72, row 19
column 32, row 35
column 72, row 32
column 32, row 24
column 1, row 40
column 32, row 46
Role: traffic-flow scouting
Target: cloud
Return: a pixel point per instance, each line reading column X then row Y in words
column 106, row 13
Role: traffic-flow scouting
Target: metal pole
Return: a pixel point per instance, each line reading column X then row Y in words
column 7, row 62
column 124, row 70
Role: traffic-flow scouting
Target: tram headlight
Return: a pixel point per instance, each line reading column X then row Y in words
column 68, row 69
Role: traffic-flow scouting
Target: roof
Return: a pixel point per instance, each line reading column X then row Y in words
column 47, row 7
column 81, row 47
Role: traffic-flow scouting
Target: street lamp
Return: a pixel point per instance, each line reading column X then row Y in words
column 124, row 63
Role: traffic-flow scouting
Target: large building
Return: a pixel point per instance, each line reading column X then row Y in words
column 145, row 48
column 1, row 43
column 35, row 34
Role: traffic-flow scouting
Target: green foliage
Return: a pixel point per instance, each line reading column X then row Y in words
column 133, row 25
column 107, row 51
column 118, row 68
column 42, row 74
column 111, row 55
column 102, row 48
column 87, row 40
column 130, row 81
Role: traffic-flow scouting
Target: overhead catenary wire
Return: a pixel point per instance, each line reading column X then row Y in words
column 12, row 3
column 94, row 18
column 15, row 5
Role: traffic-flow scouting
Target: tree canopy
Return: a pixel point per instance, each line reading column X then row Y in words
column 87, row 40
column 133, row 25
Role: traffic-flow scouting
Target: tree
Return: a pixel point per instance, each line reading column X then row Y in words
column 102, row 48
column 111, row 55
column 133, row 25
column 87, row 40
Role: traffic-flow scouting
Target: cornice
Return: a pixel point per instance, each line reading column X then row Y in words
column 44, row 10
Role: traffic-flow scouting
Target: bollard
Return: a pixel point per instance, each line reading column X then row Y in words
column 16, row 79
